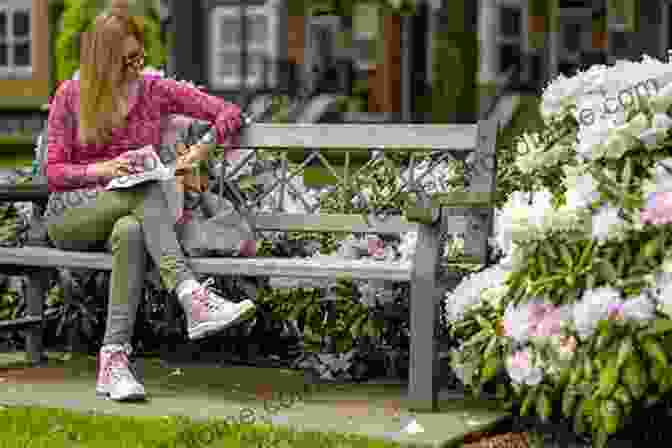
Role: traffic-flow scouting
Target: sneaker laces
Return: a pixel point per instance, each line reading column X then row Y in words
column 208, row 297
column 119, row 365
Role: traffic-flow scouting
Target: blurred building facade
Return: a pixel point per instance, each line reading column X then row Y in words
column 575, row 34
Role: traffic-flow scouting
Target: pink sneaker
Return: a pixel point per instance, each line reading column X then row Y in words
column 209, row 313
column 116, row 380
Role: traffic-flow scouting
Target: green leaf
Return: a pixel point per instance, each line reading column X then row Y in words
column 490, row 368
column 528, row 402
column 660, row 326
column 484, row 323
column 590, row 281
column 585, row 259
column 492, row 346
column 544, row 408
column 579, row 416
column 608, row 380
column 624, row 351
column 655, row 351
column 566, row 256
column 608, row 271
column 479, row 337
column 627, row 172
column 569, row 399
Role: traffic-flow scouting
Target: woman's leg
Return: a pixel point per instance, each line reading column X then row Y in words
column 129, row 268
column 206, row 311
column 85, row 228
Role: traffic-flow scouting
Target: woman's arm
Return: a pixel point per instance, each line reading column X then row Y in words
column 61, row 135
column 180, row 98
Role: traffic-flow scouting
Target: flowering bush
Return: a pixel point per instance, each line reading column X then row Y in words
column 578, row 315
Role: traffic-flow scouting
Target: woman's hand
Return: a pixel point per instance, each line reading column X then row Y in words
column 189, row 177
column 188, row 156
column 110, row 169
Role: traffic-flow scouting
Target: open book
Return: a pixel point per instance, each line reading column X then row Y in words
column 153, row 169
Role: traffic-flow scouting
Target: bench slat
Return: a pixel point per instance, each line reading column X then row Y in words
column 20, row 323
column 425, row 137
column 289, row 222
column 24, row 192
column 276, row 267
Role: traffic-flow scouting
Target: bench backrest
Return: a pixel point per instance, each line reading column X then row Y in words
column 469, row 213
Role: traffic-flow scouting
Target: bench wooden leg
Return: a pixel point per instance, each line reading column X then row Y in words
column 423, row 377
column 38, row 285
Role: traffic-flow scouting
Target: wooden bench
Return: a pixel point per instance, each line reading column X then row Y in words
column 469, row 213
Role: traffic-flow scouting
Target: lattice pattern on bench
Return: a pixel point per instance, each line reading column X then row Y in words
column 453, row 152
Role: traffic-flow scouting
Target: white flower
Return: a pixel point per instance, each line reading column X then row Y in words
column 590, row 138
column 521, row 218
column 607, row 223
column 581, row 188
column 641, row 308
column 469, row 292
column 592, row 308
column 520, row 321
column 522, row 369
column 663, row 175
column 662, row 291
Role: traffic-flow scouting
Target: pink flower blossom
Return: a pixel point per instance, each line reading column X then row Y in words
column 520, row 369
column 550, row 324
column 658, row 210
column 533, row 319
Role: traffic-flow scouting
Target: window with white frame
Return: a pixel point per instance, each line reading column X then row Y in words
column 226, row 55
column 15, row 39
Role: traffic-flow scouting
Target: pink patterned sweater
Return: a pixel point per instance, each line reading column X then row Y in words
column 69, row 162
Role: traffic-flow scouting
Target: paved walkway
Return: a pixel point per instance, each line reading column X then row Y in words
column 240, row 392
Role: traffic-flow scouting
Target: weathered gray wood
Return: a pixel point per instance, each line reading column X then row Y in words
column 424, row 320
column 36, row 293
column 275, row 267
column 37, row 192
column 294, row 222
column 459, row 137
column 479, row 221
column 20, row 323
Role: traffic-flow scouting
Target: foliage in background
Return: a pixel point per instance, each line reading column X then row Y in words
column 79, row 14
column 509, row 177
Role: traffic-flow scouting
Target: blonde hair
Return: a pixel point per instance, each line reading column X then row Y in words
column 102, row 72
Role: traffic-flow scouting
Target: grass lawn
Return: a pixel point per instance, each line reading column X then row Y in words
column 58, row 428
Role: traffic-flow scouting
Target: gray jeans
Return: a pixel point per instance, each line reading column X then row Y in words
column 133, row 224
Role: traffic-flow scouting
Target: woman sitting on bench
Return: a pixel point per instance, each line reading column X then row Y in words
column 96, row 127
